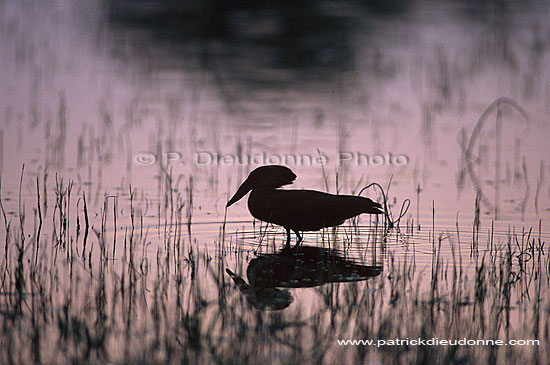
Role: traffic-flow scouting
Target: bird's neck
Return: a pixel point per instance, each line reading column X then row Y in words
column 259, row 192
column 264, row 190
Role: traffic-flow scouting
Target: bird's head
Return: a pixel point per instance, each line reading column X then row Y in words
column 271, row 176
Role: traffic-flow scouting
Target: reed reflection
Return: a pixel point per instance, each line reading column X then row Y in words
column 269, row 275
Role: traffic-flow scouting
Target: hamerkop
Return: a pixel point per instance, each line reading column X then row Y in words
column 297, row 210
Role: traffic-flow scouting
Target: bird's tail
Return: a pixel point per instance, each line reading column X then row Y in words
column 373, row 207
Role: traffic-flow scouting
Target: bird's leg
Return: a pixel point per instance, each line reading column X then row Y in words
column 287, row 238
column 299, row 238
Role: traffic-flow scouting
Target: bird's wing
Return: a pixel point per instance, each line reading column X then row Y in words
column 312, row 210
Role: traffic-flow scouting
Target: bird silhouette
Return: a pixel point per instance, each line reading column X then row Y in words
column 297, row 210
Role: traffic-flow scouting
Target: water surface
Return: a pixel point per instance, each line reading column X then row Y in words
column 126, row 128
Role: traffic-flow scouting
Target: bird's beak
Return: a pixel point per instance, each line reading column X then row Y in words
column 245, row 187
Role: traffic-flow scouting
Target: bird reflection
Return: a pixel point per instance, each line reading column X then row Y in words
column 297, row 210
column 270, row 274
